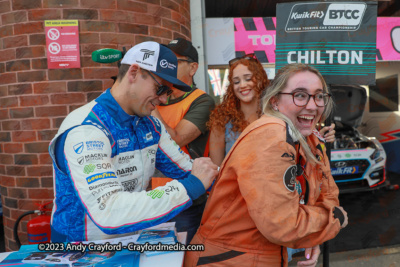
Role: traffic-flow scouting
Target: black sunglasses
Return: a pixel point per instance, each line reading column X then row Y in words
column 247, row 56
column 162, row 89
column 186, row 60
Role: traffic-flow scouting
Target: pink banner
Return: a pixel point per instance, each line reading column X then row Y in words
column 252, row 35
column 388, row 39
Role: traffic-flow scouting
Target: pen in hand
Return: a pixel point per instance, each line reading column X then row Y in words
column 195, row 154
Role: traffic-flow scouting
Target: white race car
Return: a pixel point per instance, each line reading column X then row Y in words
column 357, row 161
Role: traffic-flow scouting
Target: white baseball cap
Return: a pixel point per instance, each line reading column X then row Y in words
column 157, row 59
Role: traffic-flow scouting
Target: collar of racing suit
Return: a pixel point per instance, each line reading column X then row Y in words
column 115, row 110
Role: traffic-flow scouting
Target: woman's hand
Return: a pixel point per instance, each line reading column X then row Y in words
column 328, row 133
column 311, row 255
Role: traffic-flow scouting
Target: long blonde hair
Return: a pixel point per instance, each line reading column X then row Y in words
column 279, row 83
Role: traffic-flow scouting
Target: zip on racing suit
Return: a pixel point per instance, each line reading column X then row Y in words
column 103, row 160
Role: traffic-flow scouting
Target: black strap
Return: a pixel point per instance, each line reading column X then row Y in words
column 219, row 257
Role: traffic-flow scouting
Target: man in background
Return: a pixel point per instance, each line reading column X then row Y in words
column 184, row 116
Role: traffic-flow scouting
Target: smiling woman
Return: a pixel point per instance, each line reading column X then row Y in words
column 275, row 189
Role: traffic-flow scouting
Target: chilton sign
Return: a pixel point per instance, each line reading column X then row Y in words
column 62, row 43
column 337, row 38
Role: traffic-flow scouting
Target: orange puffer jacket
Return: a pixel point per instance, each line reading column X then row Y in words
column 254, row 209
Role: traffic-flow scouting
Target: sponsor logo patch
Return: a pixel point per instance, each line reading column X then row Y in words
column 289, row 178
column 89, row 168
column 94, row 145
column 78, row 148
column 125, row 159
column 126, row 171
column 344, row 170
column 100, row 176
column 122, row 143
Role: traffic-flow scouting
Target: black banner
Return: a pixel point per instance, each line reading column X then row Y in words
column 337, row 38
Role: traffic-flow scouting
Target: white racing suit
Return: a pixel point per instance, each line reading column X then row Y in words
column 103, row 160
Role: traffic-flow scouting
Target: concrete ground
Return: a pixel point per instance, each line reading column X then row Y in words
column 373, row 257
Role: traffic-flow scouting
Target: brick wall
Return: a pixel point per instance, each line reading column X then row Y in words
column 34, row 100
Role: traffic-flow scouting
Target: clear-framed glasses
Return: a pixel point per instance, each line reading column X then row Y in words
column 162, row 89
column 301, row 99
column 247, row 56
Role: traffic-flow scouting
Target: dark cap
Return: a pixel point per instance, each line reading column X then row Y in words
column 184, row 48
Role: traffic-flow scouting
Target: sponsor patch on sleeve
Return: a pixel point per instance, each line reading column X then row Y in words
column 289, row 178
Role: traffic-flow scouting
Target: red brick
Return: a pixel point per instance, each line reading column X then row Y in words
column 37, row 39
column 84, row 86
column 84, row 14
column 160, row 32
column 35, row 124
column 15, row 41
column 160, row 12
column 6, row 213
column 34, row 100
column 47, row 182
column 3, row 90
column 54, row 111
column 5, row 137
column 92, row 96
column 26, row 4
column 6, row 159
column 7, row 54
column 44, row 14
column 5, row 6
column 4, row 114
column 58, row 4
column 116, row 15
column 170, row 4
column 8, row 78
column 57, row 122
column 40, row 193
column 179, row 35
column 37, row 147
column 17, row 193
column 133, row 28
column 70, row 98
column 49, row 87
column 30, row 52
column 147, row 19
column 26, row 159
column 140, row 39
column 117, row 38
column 45, row 159
column 12, row 125
column 39, row 63
column 2, row 66
column 6, row 31
column 31, row 76
column 20, row 89
column 46, row 134
column 107, row 84
column 14, row 17
column 2, row 171
column 13, row 148
column 27, row 182
column 73, row 107
column 132, row 6
column 24, row 136
column 7, row 181
column 97, row 26
column 172, row 25
column 110, row 4
column 30, row 27
column 40, row 171
column 7, row 102
column 99, row 73
column 20, row 113
column 185, row 30
column 15, row 170
column 155, row 2
column 88, row 62
column 27, row 204
column 65, row 74
column 89, row 37
column 18, row 65
column 177, row 17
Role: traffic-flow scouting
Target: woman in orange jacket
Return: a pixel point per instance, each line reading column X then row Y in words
column 275, row 189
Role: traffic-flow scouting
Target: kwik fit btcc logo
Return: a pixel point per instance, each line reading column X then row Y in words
column 325, row 17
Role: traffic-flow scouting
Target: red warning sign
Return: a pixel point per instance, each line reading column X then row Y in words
column 62, row 44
